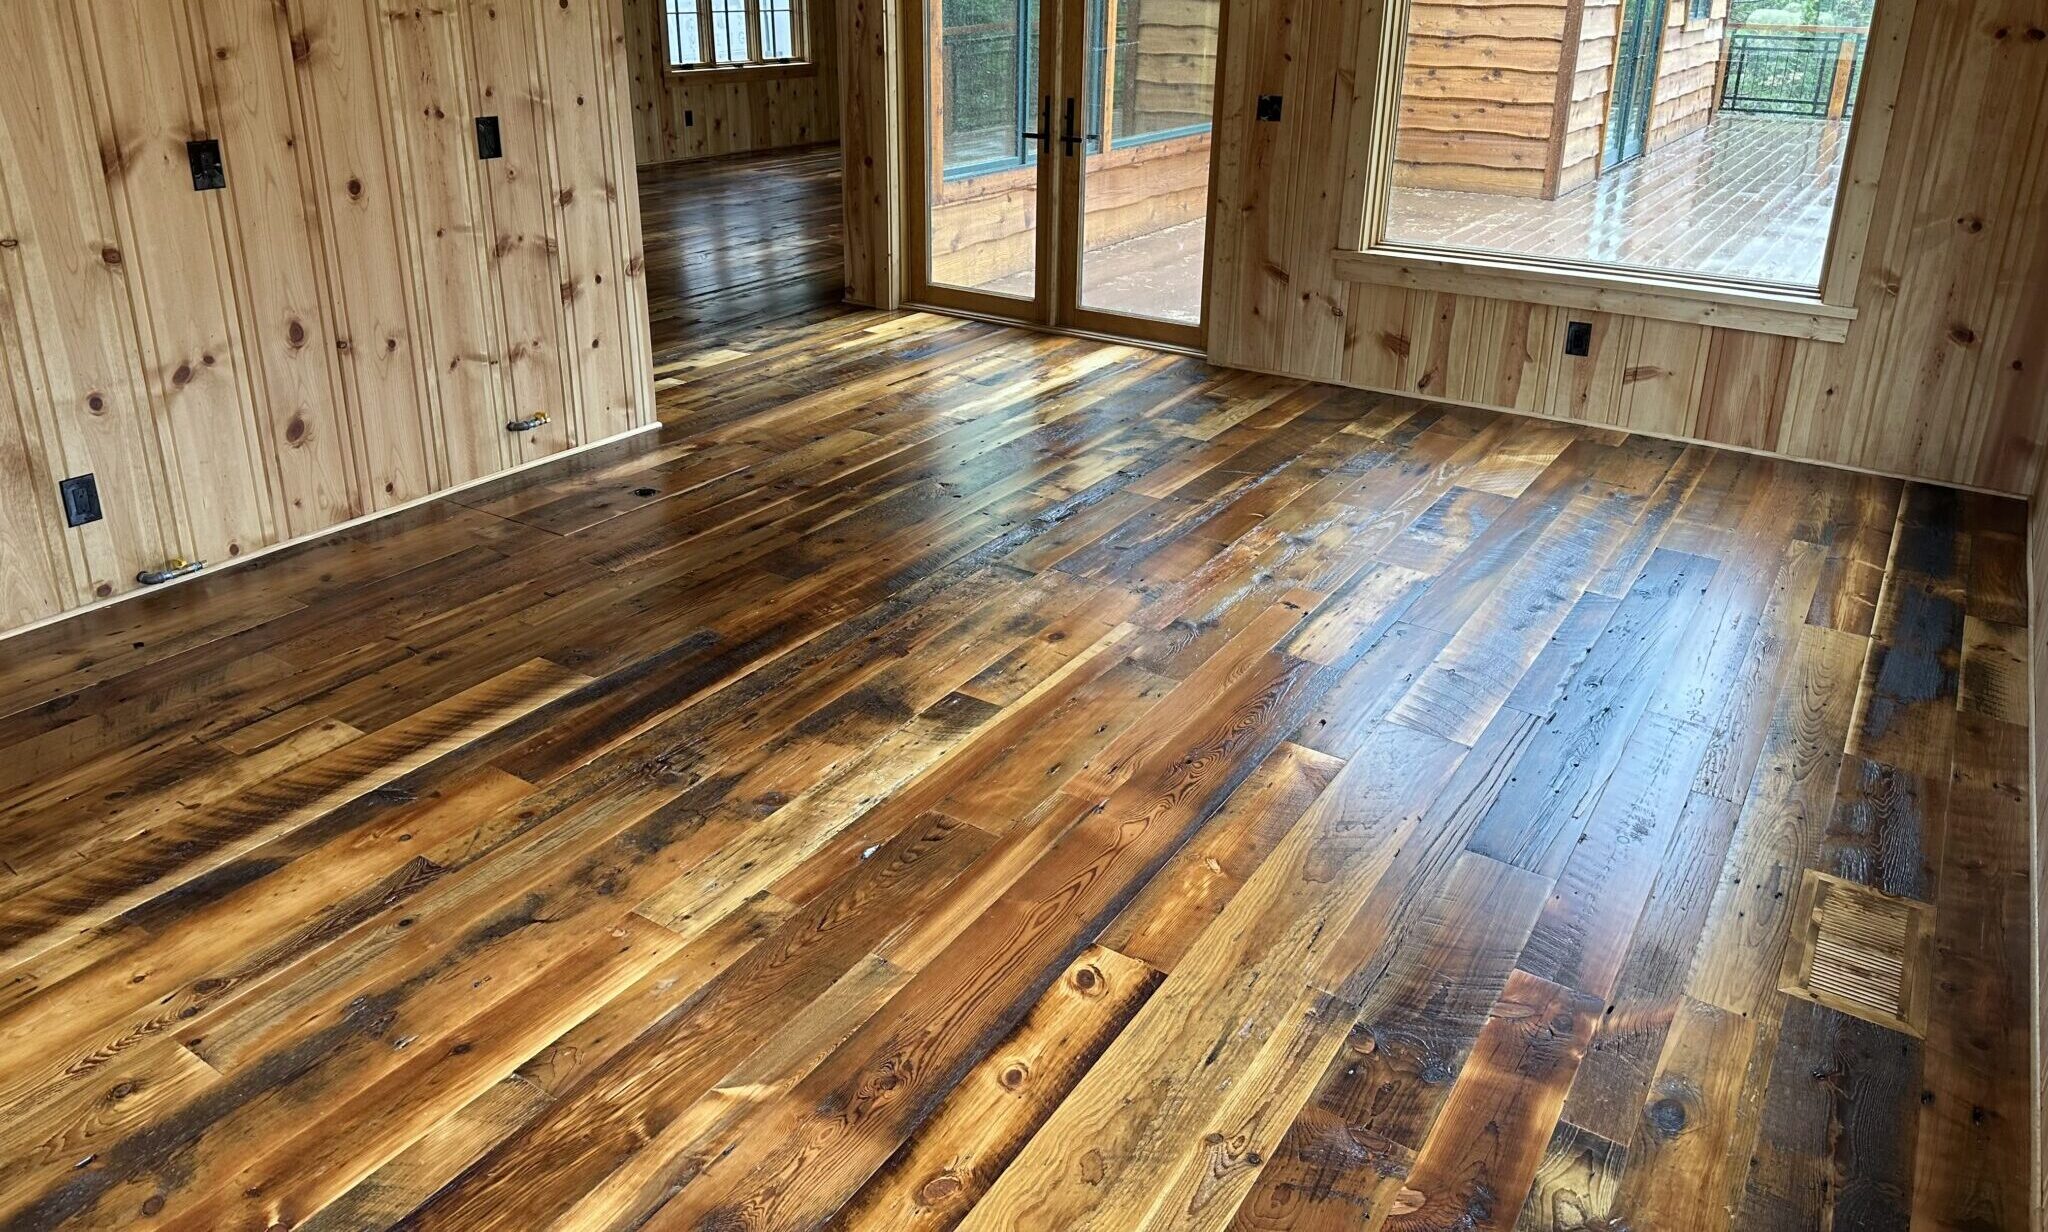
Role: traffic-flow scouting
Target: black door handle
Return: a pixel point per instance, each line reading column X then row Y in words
column 1044, row 134
column 1069, row 139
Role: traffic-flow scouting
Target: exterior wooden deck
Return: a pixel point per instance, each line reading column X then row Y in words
column 956, row 777
column 1747, row 197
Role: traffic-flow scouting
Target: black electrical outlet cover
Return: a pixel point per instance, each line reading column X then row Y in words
column 81, row 495
column 1578, row 338
column 1269, row 108
column 209, row 174
column 489, row 144
column 689, row 118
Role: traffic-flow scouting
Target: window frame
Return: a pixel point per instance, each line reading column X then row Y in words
column 755, row 64
column 1363, row 253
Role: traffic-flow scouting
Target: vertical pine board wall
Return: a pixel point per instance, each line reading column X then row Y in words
column 869, row 149
column 76, row 397
column 351, row 322
column 1942, row 376
column 681, row 116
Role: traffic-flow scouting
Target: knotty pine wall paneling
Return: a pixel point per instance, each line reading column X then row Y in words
column 870, row 150
column 76, row 389
column 344, row 328
column 148, row 69
column 1942, row 375
column 371, row 270
column 597, row 217
column 280, row 284
column 517, row 196
column 444, row 194
column 690, row 115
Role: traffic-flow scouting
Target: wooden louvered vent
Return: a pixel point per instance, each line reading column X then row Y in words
column 1860, row 951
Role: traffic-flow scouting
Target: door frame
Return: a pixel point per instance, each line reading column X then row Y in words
column 1060, row 188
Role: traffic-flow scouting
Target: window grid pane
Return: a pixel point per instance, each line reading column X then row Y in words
column 684, row 46
column 729, row 31
column 778, row 29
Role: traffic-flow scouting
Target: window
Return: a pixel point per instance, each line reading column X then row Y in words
column 733, row 33
column 1669, row 153
column 1153, row 89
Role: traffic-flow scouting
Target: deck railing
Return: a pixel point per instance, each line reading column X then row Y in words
column 1793, row 70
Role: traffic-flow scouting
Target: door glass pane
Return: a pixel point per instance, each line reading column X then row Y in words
column 1695, row 137
column 983, row 194
column 1151, row 83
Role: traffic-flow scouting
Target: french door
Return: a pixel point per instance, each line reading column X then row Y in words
column 1635, row 81
column 1058, row 161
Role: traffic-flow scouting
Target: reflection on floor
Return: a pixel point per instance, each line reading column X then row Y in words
column 1157, row 274
column 737, row 243
column 1748, row 197
column 956, row 776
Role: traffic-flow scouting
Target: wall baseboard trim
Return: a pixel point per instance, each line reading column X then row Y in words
column 313, row 537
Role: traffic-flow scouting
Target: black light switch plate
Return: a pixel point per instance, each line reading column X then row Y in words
column 1269, row 108
column 1578, row 338
column 81, row 495
column 489, row 144
column 209, row 174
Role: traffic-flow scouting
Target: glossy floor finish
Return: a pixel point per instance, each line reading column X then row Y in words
column 1747, row 197
column 962, row 777
column 1157, row 274
column 739, row 243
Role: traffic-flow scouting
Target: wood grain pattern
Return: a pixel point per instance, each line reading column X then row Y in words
column 1939, row 377
column 959, row 777
column 350, row 324
column 1511, row 97
column 682, row 116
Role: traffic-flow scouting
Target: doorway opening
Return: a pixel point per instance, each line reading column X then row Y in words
column 736, row 130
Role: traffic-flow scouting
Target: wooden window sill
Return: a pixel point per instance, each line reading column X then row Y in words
column 715, row 73
column 1789, row 314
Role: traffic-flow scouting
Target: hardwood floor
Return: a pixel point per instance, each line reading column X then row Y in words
column 741, row 243
column 956, row 777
